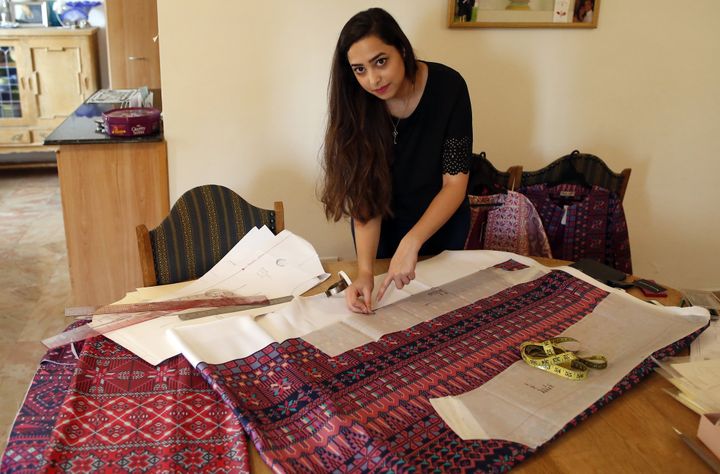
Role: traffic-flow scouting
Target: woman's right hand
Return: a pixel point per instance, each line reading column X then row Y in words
column 358, row 296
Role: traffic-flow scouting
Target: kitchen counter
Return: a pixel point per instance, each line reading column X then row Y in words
column 108, row 186
column 82, row 128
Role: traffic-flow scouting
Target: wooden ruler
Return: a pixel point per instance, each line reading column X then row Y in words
column 130, row 314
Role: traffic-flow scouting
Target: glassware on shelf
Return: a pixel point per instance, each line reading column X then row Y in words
column 74, row 14
column 7, row 20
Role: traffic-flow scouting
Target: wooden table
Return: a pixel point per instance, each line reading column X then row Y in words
column 632, row 434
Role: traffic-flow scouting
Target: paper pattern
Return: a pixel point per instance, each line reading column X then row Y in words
column 528, row 405
column 259, row 264
column 331, row 327
column 707, row 345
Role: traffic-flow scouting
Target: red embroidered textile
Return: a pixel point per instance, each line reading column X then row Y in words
column 124, row 415
column 507, row 222
column 583, row 222
column 366, row 410
column 36, row 419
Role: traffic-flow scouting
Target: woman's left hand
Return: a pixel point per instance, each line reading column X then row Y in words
column 402, row 266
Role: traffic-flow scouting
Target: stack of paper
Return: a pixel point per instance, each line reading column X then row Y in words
column 260, row 264
column 697, row 383
column 140, row 97
column 707, row 345
column 705, row 298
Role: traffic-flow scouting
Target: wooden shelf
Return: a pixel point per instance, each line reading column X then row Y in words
column 51, row 31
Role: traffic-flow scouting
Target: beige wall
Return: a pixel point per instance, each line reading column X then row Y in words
column 244, row 92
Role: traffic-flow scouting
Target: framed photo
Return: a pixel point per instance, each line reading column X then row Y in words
column 31, row 12
column 523, row 13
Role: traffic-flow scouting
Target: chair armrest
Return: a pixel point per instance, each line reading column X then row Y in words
column 147, row 262
column 279, row 217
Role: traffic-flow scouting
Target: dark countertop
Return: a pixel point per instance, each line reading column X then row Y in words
column 80, row 128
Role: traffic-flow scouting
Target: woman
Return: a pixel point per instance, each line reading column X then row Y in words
column 584, row 11
column 397, row 150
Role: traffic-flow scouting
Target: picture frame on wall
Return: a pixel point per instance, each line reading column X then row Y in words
column 523, row 13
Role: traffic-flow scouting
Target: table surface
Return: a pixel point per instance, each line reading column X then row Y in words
column 632, row 434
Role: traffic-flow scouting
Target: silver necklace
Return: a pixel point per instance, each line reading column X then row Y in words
column 404, row 108
column 395, row 130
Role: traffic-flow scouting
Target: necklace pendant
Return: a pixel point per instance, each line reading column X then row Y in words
column 395, row 134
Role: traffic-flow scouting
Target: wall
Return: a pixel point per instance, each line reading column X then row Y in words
column 98, row 19
column 244, row 93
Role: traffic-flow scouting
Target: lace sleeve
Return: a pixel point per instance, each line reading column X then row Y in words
column 456, row 155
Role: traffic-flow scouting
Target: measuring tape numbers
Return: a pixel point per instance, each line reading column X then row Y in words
column 550, row 356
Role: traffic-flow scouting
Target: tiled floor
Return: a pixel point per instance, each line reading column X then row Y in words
column 34, row 281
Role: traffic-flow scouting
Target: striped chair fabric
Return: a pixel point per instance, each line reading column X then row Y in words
column 591, row 169
column 202, row 226
column 486, row 179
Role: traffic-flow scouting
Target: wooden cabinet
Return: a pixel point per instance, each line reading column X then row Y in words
column 46, row 74
column 107, row 190
column 133, row 51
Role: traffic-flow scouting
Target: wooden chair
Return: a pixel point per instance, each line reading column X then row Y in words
column 486, row 179
column 580, row 168
column 202, row 226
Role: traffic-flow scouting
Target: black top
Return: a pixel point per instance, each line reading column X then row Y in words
column 434, row 140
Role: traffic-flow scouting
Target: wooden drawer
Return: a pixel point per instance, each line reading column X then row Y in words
column 16, row 136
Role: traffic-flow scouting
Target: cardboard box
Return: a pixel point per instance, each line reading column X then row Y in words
column 709, row 432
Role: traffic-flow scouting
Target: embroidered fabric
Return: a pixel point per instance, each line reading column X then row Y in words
column 122, row 414
column 583, row 222
column 367, row 410
column 36, row 419
column 507, row 222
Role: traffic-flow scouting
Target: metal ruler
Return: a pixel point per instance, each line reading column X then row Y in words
column 230, row 309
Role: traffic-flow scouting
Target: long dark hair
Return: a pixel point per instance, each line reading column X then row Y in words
column 358, row 144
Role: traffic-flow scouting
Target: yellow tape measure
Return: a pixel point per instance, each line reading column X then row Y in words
column 549, row 356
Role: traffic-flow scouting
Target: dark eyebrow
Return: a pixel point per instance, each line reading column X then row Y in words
column 374, row 58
